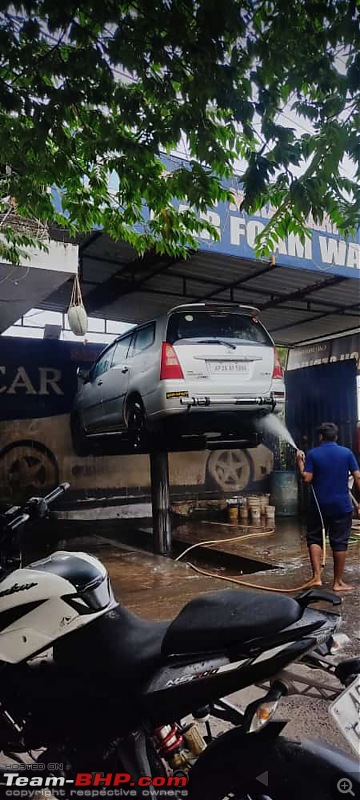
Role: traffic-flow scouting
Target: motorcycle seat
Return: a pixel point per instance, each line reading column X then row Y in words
column 228, row 618
column 136, row 647
column 120, row 639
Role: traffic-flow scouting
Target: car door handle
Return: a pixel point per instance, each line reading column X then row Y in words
column 125, row 369
column 99, row 383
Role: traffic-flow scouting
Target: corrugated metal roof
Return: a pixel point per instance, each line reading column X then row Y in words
column 295, row 304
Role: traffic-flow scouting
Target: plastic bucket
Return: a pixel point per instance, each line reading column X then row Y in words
column 270, row 513
column 284, row 493
column 232, row 510
column 254, row 501
column 264, row 502
column 255, row 516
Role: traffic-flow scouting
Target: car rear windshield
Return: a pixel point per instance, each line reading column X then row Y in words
column 205, row 325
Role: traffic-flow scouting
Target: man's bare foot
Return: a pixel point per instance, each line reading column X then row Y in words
column 313, row 582
column 341, row 586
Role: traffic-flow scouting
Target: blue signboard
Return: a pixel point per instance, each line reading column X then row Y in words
column 324, row 251
column 38, row 376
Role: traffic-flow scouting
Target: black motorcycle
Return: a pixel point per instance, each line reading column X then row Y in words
column 94, row 699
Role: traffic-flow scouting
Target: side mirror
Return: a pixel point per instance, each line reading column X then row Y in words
column 83, row 373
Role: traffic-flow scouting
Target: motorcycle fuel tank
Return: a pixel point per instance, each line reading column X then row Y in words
column 47, row 600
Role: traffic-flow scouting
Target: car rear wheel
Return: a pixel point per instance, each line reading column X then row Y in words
column 137, row 427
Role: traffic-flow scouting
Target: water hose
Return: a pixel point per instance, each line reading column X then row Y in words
column 263, row 532
column 323, row 531
column 237, row 580
column 232, row 539
column 306, row 585
column 356, row 523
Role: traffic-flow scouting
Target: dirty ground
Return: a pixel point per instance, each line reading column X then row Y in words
column 157, row 588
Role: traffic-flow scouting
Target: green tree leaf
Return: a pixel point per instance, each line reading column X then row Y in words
column 91, row 90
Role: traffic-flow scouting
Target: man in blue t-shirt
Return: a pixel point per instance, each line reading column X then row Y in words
column 327, row 468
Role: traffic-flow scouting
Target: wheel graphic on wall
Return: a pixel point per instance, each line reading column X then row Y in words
column 27, row 467
column 229, row 470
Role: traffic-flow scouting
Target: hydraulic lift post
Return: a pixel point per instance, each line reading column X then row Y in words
column 160, row 492
column 160, row 498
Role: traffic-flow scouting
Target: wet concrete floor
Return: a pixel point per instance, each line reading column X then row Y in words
column 157, row 588
column 280, row 558
column 281, row 562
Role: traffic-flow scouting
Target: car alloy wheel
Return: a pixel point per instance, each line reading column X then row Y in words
column 229, row 470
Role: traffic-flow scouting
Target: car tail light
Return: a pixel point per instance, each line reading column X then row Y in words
column 278, row 370
column 170, row 366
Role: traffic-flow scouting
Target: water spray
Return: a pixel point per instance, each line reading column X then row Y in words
column 274, row 425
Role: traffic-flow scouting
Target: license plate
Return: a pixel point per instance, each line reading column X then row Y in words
column 345, row 711
column 228, row 367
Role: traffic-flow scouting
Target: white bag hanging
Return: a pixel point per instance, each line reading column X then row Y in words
column 77, row 316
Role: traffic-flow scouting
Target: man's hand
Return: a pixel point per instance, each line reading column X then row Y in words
column 300, row 457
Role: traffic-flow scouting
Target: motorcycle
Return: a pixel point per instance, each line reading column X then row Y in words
column 93, row 696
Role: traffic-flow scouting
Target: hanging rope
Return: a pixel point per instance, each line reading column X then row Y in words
column 76, row 296
column 76, row 314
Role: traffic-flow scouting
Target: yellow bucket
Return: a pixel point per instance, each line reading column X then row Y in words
column 233, row 513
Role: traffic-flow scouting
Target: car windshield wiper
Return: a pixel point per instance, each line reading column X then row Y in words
column 218, row 341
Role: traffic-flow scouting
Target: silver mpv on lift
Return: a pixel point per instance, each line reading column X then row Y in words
column 202, row 370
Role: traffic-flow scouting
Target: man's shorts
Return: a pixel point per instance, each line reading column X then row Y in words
column 338, row 529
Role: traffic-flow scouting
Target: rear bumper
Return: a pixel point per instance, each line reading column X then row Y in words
column 245, row 402
column 177, row 407
column 206, row 405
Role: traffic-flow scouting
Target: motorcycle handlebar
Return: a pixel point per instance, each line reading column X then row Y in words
column 19, row 521
column 34, row 508
column 50, row 498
